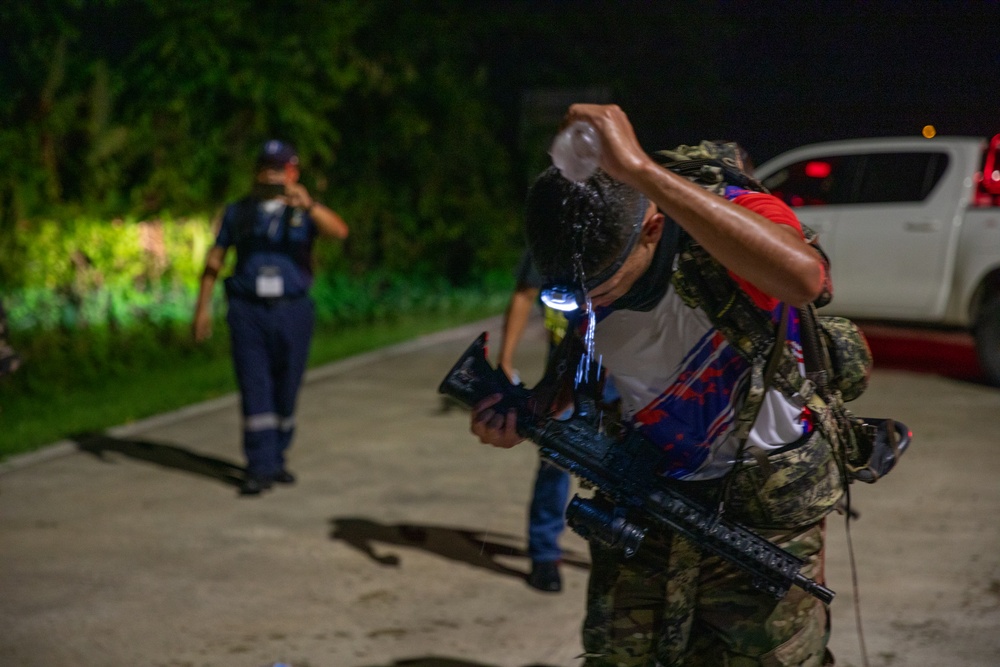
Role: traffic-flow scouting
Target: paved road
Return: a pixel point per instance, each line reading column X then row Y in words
column 403, row 542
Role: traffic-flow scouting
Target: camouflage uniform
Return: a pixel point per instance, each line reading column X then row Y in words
column 672, row 605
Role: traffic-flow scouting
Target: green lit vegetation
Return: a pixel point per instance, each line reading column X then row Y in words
column 119, row 153
column 388, row 104
column 101, row 315
column 35, row 411
column 125, row 125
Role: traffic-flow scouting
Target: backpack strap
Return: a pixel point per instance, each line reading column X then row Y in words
column 245, row 218
column 245, row 212
column 704, row 283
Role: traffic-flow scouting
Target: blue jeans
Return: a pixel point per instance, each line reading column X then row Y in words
column 547, row 515
column 270, row 347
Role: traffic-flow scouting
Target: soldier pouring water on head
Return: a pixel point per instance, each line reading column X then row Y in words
column 649, row 248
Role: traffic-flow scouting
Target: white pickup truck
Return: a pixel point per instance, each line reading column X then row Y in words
column 911, row 225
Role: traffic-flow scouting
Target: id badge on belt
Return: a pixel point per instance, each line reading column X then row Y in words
column 270, row 284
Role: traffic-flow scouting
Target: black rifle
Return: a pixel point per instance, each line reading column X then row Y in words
column 625, row 471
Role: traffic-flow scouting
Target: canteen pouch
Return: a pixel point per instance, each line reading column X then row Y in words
column 850, row 356
column 787, row 489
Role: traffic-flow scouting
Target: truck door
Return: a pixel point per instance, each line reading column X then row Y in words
column 892, row 239
column 817, row 188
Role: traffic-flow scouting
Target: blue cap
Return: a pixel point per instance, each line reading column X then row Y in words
column 276, row 153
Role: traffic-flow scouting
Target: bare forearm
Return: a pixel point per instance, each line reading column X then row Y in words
column 201, row 326
column 769, row 256
column 515, row 321
column 328, row 221
column 205, row 291
column 772, row 257
column 209, row 276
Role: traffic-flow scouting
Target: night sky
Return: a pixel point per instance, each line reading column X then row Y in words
column 830, row 75
column 776, row 75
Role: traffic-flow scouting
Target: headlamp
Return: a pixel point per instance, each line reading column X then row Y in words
column 563, row 299
column 567, row 298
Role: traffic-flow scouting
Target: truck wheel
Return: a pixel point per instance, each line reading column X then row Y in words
column 987, row 333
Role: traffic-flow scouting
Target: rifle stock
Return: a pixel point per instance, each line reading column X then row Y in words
column 625, row 471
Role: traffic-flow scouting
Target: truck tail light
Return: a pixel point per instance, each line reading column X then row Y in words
column 819, row 169
column 987, row 192
column 991, row 170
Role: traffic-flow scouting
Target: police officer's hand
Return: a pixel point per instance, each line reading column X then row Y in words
column 297, row 196
column 201, row 328
column 495, row 428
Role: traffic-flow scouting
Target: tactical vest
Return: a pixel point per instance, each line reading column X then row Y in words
column 287, row 253
column 837, row 357
column 246, row 211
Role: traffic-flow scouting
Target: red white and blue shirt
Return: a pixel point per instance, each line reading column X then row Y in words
column 682, row 383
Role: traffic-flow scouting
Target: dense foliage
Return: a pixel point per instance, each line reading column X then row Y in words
column 124, row 299
column 126, row 124
column 153, row 111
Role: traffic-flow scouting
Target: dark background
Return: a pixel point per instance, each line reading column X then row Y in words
column 426, row 121
column 770, row 75
column 126, row 124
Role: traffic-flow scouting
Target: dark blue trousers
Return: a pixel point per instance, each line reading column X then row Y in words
column 270, row 347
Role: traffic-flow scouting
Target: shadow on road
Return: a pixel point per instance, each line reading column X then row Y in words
column 168, row 456
column 476, row 548
column 441, row 662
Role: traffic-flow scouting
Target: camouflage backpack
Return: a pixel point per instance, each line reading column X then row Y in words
column 838, row 359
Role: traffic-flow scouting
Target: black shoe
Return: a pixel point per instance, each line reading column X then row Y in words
column 545, row 576
column 253, row 486
column 283, row 477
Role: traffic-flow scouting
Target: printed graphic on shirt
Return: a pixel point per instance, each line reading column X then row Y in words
column 681, row 381
column 698, row 408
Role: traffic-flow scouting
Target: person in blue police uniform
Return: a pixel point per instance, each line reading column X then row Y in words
column 270, row 314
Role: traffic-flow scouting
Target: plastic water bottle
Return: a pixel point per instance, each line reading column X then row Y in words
column 576, row 151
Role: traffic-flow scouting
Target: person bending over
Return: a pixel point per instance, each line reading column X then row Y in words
column 612, row 241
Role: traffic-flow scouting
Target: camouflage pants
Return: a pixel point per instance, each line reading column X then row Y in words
column 673, row 606
column 639, row 614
